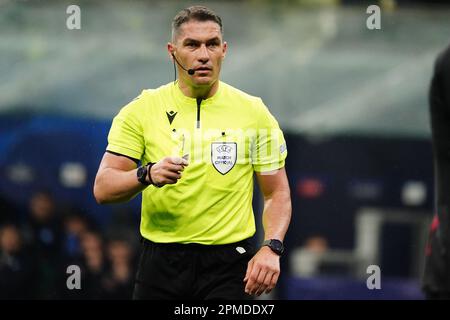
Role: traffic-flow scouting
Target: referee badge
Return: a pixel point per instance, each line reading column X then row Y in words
column 223, row 156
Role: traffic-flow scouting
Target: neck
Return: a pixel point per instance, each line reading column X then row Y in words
column 204, row 92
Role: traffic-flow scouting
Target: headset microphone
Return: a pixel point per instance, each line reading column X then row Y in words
column 189, row 71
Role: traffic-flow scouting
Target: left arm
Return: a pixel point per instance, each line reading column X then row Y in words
column 264, row 268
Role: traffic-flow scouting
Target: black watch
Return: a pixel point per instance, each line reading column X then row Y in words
column 142, row 173
column 276, row 246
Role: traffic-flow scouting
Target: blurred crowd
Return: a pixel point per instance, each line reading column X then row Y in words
column 37, row 247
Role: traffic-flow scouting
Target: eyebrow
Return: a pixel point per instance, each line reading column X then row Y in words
column 187, row 40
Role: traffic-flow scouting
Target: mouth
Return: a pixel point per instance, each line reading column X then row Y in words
column 203, row 69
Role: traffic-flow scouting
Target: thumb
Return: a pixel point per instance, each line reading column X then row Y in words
column 178, row 160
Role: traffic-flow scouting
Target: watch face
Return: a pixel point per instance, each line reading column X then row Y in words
column 277, row 246
column 140, row 172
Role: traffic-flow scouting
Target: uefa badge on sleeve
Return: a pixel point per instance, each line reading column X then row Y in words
column 223, row 156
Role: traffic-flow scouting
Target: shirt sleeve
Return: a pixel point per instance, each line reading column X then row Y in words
column 269, row 150
column 126, row 135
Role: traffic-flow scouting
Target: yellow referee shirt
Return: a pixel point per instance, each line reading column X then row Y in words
column 226, row 137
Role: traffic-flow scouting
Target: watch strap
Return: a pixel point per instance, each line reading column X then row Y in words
column 149, row 167
column 270, row 244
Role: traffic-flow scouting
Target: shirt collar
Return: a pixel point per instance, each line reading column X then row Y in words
column 183, row 99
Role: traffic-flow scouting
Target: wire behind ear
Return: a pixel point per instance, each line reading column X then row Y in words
column 174, row 68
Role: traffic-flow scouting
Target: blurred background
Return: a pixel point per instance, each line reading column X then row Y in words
column 351, row 101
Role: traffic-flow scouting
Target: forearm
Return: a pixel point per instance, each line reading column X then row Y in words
column 114, row 185
column 277, row 215
column 264, row 268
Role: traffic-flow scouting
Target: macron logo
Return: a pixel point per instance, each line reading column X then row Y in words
column 171, row 115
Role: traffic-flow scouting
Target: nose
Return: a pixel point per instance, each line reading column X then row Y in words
column 203, row 55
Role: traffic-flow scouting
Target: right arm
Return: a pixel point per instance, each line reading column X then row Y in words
column 116, row 179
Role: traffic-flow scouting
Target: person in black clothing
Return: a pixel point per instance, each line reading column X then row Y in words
column 118, row 283
column 43, row 233
column 43, row 229
column 93, row 266
column 436, row 278
column 17, row 270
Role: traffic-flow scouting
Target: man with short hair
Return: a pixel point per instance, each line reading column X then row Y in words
column 199, row 141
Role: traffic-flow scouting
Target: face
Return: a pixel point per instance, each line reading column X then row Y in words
column 10, row 239
column 119, row 251
column 199, row 46
column 91, row 243
column 75, row 225
column 42, row 207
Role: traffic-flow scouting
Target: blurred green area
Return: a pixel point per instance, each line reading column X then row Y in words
column 318, row 68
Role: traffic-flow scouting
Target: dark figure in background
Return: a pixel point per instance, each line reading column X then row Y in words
column 436, row 280
column 44, row 229
column 75, row 224
column 16, row 266
column 118, row 283
column 43, row 233
column 93, row 265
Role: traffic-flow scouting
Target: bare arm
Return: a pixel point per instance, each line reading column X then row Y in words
column 116, row 179
column 277, row 204
column 264, row 268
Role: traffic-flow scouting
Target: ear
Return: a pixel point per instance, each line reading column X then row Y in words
column 224, row 49
column 170, row 50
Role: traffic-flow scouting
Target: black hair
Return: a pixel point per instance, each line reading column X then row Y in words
column 197, row 13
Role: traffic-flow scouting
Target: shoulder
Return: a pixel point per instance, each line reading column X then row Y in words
column 253, row 106
column 253, row 102
column 145, row 99
column 237, row 93
column 157, row 92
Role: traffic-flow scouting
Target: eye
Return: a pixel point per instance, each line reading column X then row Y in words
column 212, row 44
column 191, row 44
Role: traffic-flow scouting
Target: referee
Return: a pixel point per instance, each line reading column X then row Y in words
column 199, row 141
column 436, row 280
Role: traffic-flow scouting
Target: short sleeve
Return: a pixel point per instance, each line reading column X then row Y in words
column 126, row 135
column 269, row 151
